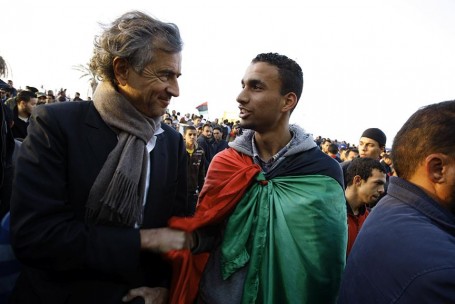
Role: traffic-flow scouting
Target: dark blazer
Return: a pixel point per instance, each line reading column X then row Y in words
column 66, row 260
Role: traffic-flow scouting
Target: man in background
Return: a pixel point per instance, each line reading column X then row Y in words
column 372, row 143
column 205, row 141
column 350, row 154
column 219, row 144
column 365, row 180
column 195, row 166
column 404, row 252
column 333, row 151
column 26, row 102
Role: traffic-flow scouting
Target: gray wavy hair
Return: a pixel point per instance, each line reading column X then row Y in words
column 134, row 36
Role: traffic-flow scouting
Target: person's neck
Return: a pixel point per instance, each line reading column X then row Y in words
column 351, row 199
column 270, row 143
column 23, row 115
column 190, row 146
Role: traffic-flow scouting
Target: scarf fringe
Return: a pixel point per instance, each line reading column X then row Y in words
column 123, row 206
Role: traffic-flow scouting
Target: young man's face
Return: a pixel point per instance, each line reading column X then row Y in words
column 27, row 106
column 260, row 100
column 350, row 155
column 217, row 134
column 369, row 148
column 190, row 137
column 370, row 190
column 207, row 132
column 50, row 99
column 325, row 147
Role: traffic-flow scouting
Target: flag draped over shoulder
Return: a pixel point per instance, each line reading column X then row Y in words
column 229, row 176
column 291, row 231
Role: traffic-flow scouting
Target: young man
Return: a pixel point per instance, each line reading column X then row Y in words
column 205, row 141
column 195, row 166
column 405, row 251
column 372, row 143
column 26, row 101
column 333, row 151
column 218, row 144
column 350, row 154
column 275, row 200
column 96, row 182
column 365, row 180
column 325, row 145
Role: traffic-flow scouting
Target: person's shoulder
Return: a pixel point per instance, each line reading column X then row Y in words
column 322, row 162
column 170, row 133
column 63, row 108
column 315, row 155
column 67, row 114
column 199, row 149
column 201, row 141
column 168, row 129
column 431, row 284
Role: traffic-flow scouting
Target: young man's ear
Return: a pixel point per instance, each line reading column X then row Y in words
column 121, row 69
column 290, row 102
column 357, row 180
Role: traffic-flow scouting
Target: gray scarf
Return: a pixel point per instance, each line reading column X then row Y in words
column 117, row 194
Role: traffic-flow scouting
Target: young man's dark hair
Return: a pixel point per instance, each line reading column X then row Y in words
column 187, row 128
column 355, row 150
column 168, row 119
column 206, row 125
column 362, row 167
column 289, row 71
column 25, row 96
column 333, row 148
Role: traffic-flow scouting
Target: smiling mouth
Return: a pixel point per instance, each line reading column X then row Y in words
column 243, row 113
column 165, row 102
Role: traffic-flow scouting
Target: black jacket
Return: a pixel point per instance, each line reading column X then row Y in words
column 66, row 260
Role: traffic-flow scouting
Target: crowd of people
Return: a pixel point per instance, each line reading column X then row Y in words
column 119, row 200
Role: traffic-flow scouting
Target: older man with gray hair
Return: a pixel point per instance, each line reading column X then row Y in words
column 89, row 214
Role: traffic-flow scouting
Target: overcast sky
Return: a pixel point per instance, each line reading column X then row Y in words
column 365, row 63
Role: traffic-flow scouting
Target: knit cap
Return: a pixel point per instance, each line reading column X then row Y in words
column 375, row 134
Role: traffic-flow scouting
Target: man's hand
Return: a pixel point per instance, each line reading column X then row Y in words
column 156, row 295
column 162, row 240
